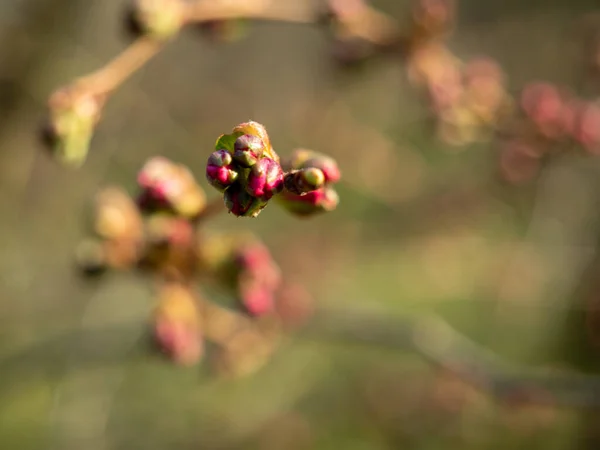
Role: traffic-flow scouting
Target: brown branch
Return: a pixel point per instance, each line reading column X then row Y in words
column 117, row 71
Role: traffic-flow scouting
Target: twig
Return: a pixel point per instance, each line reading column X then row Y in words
column 444, row 346
column 113, row 74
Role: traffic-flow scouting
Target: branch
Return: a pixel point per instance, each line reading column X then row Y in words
column 444, row 346
column 117, row 71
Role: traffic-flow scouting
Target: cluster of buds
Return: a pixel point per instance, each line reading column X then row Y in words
column 73, row 116
column 467, row 100
column 472, row 103
column 309, row 183
column 551, row 120
column 244, row 265
column 159, row 230
column 248, row 171
column 157, row 19
column 156, row 229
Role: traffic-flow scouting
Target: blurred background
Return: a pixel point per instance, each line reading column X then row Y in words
column 424, row 229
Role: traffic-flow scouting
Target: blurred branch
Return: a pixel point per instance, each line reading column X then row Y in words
column 371, row 25
column 116, row 72
column 431, row 337
column 446, row 347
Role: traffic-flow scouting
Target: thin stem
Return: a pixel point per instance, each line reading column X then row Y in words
column 116, row 72
column 206, row 11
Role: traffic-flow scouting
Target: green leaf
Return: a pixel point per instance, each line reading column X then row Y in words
column 226, row 141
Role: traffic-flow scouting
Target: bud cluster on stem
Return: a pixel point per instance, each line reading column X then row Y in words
column 246, row 168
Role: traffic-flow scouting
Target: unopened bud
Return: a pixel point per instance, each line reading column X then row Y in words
column 304, row 159
column 258, row 130
column 242, row 204
column 220, row 171
column 319, row 201
column 73, row 117
column 177, row 325
column 159, row 19
column 265, row 179
column 305, row 180
column 248, row 149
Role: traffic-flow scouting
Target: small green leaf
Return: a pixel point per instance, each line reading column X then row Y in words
column 226, row 141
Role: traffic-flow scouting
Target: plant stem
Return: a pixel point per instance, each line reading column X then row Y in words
column 116, row 72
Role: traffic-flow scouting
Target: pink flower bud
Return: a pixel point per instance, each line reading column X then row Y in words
column 305, row 159
column 248, row 149
column 321, row 200
column 242, row 204
column 220, row 171
column 587, row 128
column 257, row 298
column 181, row 343
column 265, row 179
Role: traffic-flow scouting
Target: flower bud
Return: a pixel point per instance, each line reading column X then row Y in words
column 258, row 130
column 73, row 117
column 159, row 19
column 256, row 298
column 265, row 179
column 177, row 325
column 248, row 149
column 116, row 216
column 220, row 171
column 586, row 130
column 169, row 185
column 304, row 159
column 305, row 180
column 242, row 204
column 321, row 200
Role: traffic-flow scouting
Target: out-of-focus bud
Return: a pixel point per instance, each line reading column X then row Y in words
column 90, row 257
column 431, row 64
column 586, row 129
column 116, row 216
column 459, row 126
column 165, row 229
column 248, row 149
column 258, row 277
column 485, row 92
column 254, row 258
column 544, row 105
column 176, row 325
column 322, row 200
column 158, row 19
column 265, row 179
column 256, row 298
column 220, row 171
column 74, row 115
column 241, row 204
column 432, row 18
column 172, row 186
